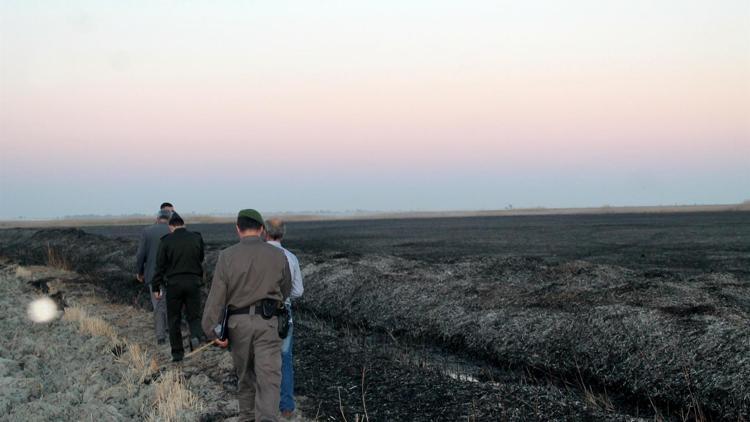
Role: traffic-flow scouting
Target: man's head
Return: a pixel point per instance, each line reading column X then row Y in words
column 275, row 229
column 167, row 206
column 163, row 216
column 176, row 222
column 249, row 223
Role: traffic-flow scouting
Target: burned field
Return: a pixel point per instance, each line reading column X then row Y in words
column 607, row 317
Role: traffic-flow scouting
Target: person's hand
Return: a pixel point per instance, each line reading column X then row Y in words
column 157, row 295
column 223, row 344
column 139, row 277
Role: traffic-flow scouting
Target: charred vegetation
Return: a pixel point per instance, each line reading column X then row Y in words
column 602, row 317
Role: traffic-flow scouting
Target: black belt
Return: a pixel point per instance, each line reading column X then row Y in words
column 271, row 307
column 185, row 274
column 246, row 310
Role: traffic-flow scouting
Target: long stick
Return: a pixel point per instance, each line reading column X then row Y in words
column 364, row 405
column 341, row 407
column 200, row 349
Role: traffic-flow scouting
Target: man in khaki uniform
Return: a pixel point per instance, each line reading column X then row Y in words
column 246, row 274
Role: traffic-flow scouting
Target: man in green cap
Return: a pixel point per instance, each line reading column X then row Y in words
column 251, row 280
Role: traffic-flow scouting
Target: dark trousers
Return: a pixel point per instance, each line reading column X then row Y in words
column 183, row 290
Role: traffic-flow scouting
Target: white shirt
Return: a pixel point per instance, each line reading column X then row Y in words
column 297, row 287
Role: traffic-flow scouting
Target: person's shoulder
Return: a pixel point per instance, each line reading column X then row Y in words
column 242, row 252
column 196, row 234
column 275, row 251
column 230, row 250
column 268, row 249
column 289, row 254
column 157, row 229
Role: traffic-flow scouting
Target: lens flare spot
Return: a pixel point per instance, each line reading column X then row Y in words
column 42, row 310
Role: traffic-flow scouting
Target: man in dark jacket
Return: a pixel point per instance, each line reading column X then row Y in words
column 179, row 266
column 146, row 267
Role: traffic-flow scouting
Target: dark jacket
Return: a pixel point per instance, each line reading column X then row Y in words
column 180, row 253
column 148, row 248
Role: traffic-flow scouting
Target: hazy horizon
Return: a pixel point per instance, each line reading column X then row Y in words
column 508, row 210
column 391, row 106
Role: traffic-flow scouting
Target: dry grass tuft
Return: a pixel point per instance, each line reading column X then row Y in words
column 23, row 273
column 173, row 398
column 138, row 366
column 138, row 362
column 694, row 410
column 74, row 314
column 55, row 259
column 96, row 326
column 154, row 366
column 93, row 326
column 599, row 401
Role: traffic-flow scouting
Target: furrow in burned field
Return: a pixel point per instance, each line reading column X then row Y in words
column 667, row 340
column 351, row 371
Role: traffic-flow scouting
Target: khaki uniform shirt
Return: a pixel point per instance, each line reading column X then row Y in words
column 245, row 274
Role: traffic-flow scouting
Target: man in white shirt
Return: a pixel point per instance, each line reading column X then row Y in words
column 275, row 230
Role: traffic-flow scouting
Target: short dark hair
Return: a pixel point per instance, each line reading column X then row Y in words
column 175, row 220
column 246, row 223
column 165, row 205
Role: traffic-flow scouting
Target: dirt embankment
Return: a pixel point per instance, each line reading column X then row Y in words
column 102, row 261
column 646, row 339
column 99, row 360
column 109, row 262
column 79, row 366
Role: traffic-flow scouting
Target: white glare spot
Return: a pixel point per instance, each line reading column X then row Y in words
column 42, row 310
column 461, row 377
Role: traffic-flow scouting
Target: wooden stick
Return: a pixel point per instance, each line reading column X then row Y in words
column 341, row 407
column 200, row 349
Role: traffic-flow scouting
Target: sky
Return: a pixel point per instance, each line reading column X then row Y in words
column 114, row 107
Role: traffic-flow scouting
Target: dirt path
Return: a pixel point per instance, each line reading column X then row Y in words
column 201, row 371
column 111, row 369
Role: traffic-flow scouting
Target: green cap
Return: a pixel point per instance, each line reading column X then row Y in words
column 251, row 214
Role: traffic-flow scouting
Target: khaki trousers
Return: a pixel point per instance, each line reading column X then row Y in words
column 256, row 351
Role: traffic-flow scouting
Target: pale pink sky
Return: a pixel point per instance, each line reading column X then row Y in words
column 387, row 106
